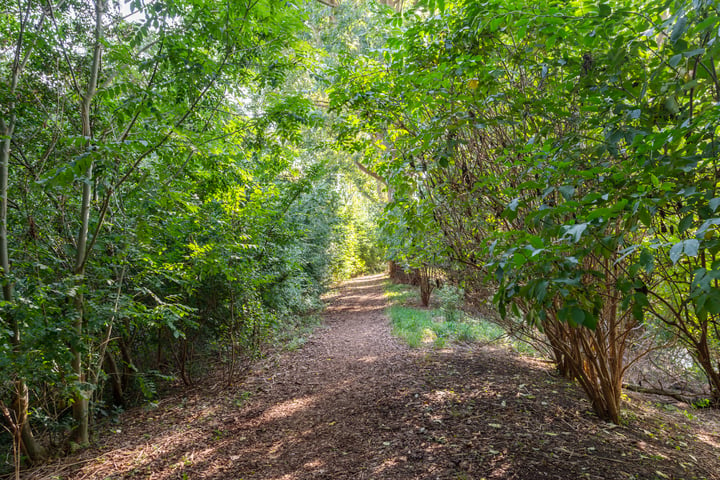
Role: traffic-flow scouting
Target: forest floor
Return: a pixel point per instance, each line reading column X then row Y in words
column 354, row 403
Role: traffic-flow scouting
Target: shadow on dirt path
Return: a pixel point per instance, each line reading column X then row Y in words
column 332, row 401
column 354, row 403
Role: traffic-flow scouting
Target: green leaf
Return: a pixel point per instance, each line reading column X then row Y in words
column 700, row 233
column 604, row 10
column 672, row 105
column 575, row 231
column 647, row 260
column 645, row 217
column 686, row 222
column 639, row 304
column 678, row 29
column 567, row 191
column 674, row 60
column 691, row 84
column 540, row 290
column 692, row 53
column 590, row 321
column 689, row 247
column 577, row 315
column 712, row 305
column 676, row 252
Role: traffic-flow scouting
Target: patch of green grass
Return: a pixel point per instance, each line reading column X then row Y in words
column 524, row 348
column 400, row 294
column 418, row 327
column 411, row 325
column 424, row 327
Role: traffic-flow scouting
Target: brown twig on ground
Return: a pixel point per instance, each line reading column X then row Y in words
column 666, row 393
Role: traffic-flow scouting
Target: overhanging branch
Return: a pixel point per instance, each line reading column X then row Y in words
column 369, row 172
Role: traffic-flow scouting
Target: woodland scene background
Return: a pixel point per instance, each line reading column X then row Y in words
column 180, row 181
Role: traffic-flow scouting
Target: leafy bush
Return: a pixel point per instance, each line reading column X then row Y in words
column 451, row 301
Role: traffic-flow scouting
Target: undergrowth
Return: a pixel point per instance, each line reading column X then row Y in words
column 443, row 325
column 293, row 334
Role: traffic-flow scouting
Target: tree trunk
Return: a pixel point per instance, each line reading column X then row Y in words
column 32, row 448
column 129, row 367
column 704, row 358
column 426, row 286
column 111, row 368
column 81, row 405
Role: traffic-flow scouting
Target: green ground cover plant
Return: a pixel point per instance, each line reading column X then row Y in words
column 441, row 324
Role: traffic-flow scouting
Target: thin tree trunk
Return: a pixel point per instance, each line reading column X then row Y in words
column 113, row 373
column 81, row 405
column 128, row 365
column 32, row 448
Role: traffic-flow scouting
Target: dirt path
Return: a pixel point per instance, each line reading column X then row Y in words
column 354, row 403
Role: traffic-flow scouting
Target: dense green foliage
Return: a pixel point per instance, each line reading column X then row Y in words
column 567, row 153
column 169, row 195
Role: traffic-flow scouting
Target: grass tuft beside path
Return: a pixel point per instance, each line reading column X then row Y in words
column 423, row 327
column 419, row 326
